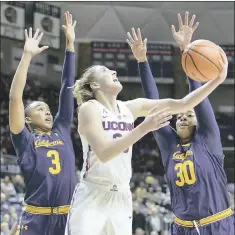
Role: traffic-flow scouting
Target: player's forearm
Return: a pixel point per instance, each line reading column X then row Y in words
column 147, row 81
column 115, row 147
column 198, row 95
column 66, row 104
column 19, row 80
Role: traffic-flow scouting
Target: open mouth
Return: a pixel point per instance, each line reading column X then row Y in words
column 48, row 119
column 183, row 124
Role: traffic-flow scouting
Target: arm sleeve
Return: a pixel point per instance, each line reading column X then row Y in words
column 20, row 142
column 66, row 101
column 165, row 135
column 207, row 125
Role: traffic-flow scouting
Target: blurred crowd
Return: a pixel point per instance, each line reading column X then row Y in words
column 152, row 213
column 151, row 197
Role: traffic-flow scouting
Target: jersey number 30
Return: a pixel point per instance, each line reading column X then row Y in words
column 183, row 171
column 55, row 160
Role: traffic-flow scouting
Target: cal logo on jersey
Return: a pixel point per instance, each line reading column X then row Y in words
column 182, row 156
column 47, row 143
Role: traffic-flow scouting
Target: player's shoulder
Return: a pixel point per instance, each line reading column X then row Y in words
column 88, row 106
column 88, row 110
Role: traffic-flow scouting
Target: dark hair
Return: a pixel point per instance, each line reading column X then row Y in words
column 26, row 108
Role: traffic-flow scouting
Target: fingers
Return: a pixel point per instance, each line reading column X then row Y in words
column 163, row 125
column 74, row 23
column 26, row 34
column 70, row 19
column 64, row 27
column 192, row 21
column 130, row 38
column 155, row 110
column 173, row 30
column 195, row 26
column 224, row 57
column 163, row 117
column 43, row 48
column 186, row 18
column 129, row 43
column 139, row 35
column 40, row 37
column 30, row 32
column 145, row 43
column 36, row 34
column 179, row 20
column 65, row 18
column 134, row 34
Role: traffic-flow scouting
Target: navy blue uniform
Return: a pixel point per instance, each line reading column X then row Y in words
column 195, row 174
column 47, row 163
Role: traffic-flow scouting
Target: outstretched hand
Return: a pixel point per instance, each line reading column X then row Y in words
column 224, row 65
column 184, row 35
column 31, row 42
column 137, row 45
column 69, row 27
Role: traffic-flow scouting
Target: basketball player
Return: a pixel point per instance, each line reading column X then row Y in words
column 192, row 155
column 102, row 202
column 45, row 151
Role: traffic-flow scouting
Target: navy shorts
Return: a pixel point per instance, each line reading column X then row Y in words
column 222, row 227
column 34, row 224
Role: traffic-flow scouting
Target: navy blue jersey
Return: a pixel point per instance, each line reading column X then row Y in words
column 47, row 161
column 195, row 174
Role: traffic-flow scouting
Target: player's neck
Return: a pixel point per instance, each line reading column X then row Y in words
column 39, row 131
column 109, row 101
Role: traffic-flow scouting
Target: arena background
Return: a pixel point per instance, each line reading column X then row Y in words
column 101, row 33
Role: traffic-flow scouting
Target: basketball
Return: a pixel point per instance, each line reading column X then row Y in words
column 200, row 60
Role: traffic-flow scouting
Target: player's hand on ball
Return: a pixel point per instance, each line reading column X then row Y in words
column 224, row 64
column 137, row 45
column 184, row 35
column 69, row 27
column 32, row 41
column 157, row 119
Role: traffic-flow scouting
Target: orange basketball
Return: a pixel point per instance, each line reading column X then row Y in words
column 200, row 60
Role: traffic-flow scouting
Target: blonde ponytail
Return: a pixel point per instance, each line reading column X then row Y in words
column 82, row 89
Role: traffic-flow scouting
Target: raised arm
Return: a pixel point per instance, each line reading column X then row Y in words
column 108, row 149
column 66, row 104
column 206, row 122
column 16, row 106
column 138, row 47
column 140, row 107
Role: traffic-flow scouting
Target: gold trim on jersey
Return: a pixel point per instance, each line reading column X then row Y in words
column 205, row 221
column 47, row 210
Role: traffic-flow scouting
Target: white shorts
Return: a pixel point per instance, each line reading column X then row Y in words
column 100, row 210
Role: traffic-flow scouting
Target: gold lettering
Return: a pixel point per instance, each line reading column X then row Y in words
column 182, row 156
column 46, row 143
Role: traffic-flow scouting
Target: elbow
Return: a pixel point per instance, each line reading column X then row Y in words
column 103, row 156
column 13, row 98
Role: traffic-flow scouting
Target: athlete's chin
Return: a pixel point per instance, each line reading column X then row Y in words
column 117, row 87
column 47, row 126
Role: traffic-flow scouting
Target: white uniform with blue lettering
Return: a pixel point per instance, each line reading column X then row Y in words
column 102, row 202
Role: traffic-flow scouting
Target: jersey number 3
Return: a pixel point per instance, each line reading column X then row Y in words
column 55, row 160
column 183, row 171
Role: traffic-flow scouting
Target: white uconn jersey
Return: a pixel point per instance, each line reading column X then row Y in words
column 118, row 170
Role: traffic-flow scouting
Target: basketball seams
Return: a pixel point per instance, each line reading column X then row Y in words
column 197, row 67
column 205, row 58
